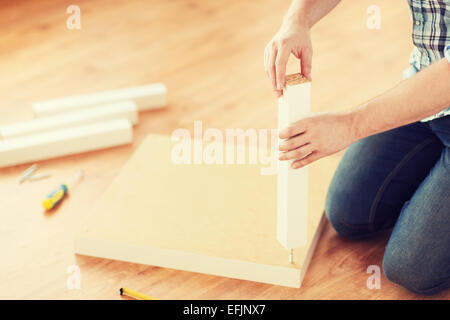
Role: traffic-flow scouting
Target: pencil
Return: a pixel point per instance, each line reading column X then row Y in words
column 135, row 294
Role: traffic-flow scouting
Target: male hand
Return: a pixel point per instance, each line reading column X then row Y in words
column 316, row 136
column 293, row 37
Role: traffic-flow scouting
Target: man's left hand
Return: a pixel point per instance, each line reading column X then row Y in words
column 316, row 136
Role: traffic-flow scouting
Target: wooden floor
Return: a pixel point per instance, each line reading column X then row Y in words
column 210, row 55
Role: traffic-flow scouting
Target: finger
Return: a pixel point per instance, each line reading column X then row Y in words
column 298, row 153
column 291, row 131
column 296, row 53
column 278, row 93
column 266, row 60
column 271, row 67
column 280, row 66
column 307, row 160
column 306, row 62
column 294, row 142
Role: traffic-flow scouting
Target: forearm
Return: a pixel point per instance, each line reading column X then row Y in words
column 309, row 11
column 423, row 95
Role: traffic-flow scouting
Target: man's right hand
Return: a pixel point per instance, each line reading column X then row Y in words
column 293, row 37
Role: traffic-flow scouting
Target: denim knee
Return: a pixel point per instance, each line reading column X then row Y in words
column 337, row 216
column 410, row 272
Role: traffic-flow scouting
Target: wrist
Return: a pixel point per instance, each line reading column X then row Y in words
column 358, row 124
column 296, row 19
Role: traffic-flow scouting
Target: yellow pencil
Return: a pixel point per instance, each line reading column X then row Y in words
column 135, row 294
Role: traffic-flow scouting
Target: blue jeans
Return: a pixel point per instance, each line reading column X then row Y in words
column 400, row 179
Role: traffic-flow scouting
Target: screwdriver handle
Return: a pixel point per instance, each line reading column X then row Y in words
column 54, row 198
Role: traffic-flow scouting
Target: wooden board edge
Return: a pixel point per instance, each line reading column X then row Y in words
column 312, row 247
column 186, row 261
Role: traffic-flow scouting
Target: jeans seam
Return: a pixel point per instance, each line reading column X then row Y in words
column 390, row 176
column 354, row 226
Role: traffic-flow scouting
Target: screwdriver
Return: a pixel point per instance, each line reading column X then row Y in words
column 55, row 197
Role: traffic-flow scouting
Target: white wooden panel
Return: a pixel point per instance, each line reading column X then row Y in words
column 292, row 185
column 146, row 97
column 65, row 142
column 118, row 110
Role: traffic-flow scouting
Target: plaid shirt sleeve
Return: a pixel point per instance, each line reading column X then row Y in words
column 430, row 36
